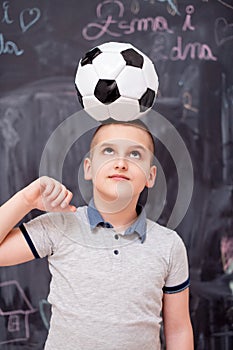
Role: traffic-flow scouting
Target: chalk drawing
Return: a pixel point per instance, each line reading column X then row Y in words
column 17, row 320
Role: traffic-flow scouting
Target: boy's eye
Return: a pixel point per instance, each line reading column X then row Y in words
column 108, row 150
column 135, row 155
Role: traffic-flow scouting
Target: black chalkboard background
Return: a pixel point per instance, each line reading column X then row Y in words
column 190, row 43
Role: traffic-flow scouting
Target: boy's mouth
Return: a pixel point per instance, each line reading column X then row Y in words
column 118, row 177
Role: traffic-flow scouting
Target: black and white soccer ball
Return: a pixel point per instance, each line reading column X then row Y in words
column 116, row 80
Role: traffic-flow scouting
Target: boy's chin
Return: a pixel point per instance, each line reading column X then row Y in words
column 114, row 204
column 117, row 192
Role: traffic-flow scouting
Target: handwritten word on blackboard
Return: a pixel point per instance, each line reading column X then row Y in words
column 26, row 19
column 117, row 26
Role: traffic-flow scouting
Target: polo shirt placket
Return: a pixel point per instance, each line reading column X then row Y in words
column 138, row 228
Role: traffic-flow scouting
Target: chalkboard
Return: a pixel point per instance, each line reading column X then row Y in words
column 190, row 43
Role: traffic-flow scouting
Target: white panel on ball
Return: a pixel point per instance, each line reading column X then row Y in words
column 108, row 65
column 114, row 47
column 124, row 107
column 131, row 82
column 86, row 79
column 95, row 108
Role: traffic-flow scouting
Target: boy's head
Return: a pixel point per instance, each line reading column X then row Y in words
column 121, row 161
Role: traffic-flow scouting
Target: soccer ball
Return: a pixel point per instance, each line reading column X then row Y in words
column 116, row 80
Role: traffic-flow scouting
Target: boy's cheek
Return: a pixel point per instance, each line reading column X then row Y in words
column 141, row 167
column 98, row 173
column 102, row 166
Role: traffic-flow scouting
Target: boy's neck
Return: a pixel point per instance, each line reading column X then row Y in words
column 120, row 217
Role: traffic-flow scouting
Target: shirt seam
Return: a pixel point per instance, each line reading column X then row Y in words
column 178, row 288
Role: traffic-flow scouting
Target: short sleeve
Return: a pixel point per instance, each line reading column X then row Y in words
column 178, row 271
column 44, row 233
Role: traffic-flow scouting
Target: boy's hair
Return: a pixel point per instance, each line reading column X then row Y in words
column 136, row 123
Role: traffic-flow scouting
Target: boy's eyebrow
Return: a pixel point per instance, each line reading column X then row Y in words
column 133, row 146
column 106, row 144
column 142, row 148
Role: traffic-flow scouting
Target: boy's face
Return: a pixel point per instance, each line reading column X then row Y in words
column 120, row 162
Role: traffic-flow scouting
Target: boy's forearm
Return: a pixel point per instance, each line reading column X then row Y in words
column 11, row 213
column 181, row 341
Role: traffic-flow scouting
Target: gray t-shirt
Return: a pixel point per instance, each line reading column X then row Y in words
column 106, row 288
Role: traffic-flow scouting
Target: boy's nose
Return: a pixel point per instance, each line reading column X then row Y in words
column 120, row 163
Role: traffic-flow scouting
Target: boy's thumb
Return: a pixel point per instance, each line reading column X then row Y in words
column 68, row 209
column 72, row 208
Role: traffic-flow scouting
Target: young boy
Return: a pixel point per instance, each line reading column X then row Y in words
column 115, row 274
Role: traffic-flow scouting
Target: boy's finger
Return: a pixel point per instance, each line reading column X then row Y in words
column 59, row 198
column 67, row 200
column 47, row 188
column 57, row 195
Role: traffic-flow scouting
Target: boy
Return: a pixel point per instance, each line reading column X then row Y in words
column 113, row 271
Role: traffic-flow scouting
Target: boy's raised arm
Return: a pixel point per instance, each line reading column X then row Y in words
column 45, row 194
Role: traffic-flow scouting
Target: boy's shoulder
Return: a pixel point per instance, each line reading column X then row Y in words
column 62, row 220
column 161, row 229
column 158, row 232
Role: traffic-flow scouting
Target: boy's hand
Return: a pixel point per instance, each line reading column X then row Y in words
column 48, row 194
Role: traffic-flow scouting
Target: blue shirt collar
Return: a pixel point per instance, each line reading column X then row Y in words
column 139, row 226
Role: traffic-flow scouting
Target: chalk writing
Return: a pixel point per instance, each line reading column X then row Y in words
column 17, row 320
column 157, row 24
column 42, row 303
column 9, row 47
column 224, row 3
column 172, row 4
column 187, row 102
column 27, row 18
column 34, row 14
column 172, row 7
column 173, row 10
column 116, row 26
column 194, row 50
column 13, row 323
column 223, row 31
column 6, row 18
column 187, row 23
column 95, row 30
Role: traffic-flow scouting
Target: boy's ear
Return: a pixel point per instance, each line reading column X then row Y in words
column 87, row 169
column 152, row 176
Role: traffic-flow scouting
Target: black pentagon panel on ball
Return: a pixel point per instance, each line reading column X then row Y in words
column 106, row 91
column 147, row 100
column 90, row 55
column 133, row 58
column 80, row 98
